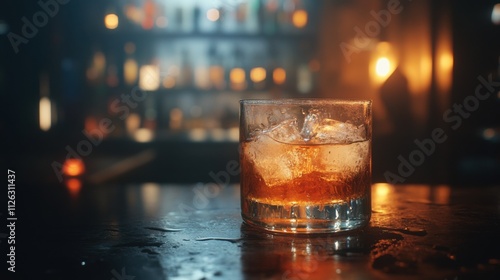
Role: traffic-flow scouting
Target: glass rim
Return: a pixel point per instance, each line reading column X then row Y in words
column 305, row 101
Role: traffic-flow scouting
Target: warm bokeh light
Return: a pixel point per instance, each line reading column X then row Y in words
column 233, row 134
column 383, row 67
column 73, row 167
column 299, row 18
column 258, row 74
column 495, row 14
column 202, row 77
column 149, row 77
column 216, row 73
column 111, row 21
column 218, row 134
column 74, row 186
column 133, row 13
column 446, row 61
column 132, row 122
column 383, row 63
column 213, row 14
column 445, row 68
column 237, row 77
column 143, row 135
column 45, row 114
column 197, row 134
column 279, row 76
column 130, row 71
column 176, row 117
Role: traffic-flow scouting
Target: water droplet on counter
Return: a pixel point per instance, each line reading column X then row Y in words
column 232, row 240
column 164, row 229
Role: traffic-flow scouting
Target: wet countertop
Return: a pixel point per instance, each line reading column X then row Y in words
column 151, row 231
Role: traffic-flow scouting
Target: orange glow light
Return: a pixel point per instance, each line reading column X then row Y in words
column 111, row 21
column 237, row 75
column 73, row 167
column 299, row 18
column 279, row 76
column 383, row 67
column 258, row 74
column 74, row 186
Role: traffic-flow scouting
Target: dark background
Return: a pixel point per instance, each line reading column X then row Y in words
column 467, row 158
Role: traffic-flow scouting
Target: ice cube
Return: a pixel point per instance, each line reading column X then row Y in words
column 286, row 132
column 331, row 131
column 311, row 122
column 272, row 160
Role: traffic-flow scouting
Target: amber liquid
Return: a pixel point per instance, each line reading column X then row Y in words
column 305, row 188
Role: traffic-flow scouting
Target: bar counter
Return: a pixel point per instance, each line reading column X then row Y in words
column 151, row 231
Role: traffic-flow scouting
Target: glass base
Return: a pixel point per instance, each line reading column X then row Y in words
column 308, row 218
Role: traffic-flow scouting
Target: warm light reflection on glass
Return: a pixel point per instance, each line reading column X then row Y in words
column 150, row 193
column 73, row 167
column 74, row 186
column 111, row 21
column 143, row 135
column 213, row 14
column 130, row 69
column 149, row 77
column 45, row 114
column 495, row 14
column 299, row 18
column 258, row 74
column 279, row 76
